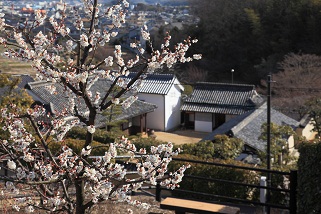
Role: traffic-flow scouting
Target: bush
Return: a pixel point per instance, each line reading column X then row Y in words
column 225, row 173
column 98, row 149
column 222, row 147
column 203, row 149
column 217, row 172
column 101, row 135
column 145, row 142
column 309, row 178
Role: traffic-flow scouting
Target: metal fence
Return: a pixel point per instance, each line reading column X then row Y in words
column 291, row 206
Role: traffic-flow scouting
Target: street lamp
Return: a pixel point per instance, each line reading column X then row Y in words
column 232, row 71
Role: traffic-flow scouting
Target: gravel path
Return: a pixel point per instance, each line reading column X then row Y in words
column 181, row 136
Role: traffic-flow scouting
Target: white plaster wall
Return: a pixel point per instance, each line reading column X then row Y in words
column 307, row 131
column 291, row 143
column 203, row 122
column 172, row 108
column 294, row 152
column 155, row 120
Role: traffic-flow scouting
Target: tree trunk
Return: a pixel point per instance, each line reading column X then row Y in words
column 80, row 197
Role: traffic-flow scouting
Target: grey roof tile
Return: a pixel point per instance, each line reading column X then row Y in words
column 58, row 101
column 155, row 83
column 221, row 98
column 248, row 126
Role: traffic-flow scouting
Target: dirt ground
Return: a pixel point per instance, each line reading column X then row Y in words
column 180, row 136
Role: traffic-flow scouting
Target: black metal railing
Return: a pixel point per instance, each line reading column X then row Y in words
column 291, row 206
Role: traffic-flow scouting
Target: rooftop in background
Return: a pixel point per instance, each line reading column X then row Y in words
column 156, row 83
column 58, row 102
column 222, row 98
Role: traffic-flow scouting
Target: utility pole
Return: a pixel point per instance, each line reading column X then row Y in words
column 268, row 148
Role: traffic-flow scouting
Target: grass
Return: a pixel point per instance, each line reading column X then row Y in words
column 14, row 66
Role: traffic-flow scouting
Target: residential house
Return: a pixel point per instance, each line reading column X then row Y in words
column 248, row 128
column 58, row 102
column 212, row 104
column 306, row 128
column 165, row 91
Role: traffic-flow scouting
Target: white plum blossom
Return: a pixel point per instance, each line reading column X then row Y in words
column 115, row 101
column 126, row 4
column 197, row 56
column 91, row 129
column 16, row 207
column 2, row 22
column 11, row 165
column 141, row 50
column 144, row 33
column 30, row 209
column 36, row 144
column 127, row 103
column 133, row 45
column 40, row 17
column 114, row 34
column 69, row 45
column 84, row 40
column 109, row 61
column 28, row 157
column 86, row 151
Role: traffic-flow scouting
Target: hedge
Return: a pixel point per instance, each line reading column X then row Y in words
column 76, row 145
column 225, row 173
column 309, row 178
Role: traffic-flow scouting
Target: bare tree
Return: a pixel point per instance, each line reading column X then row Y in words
column 296, row 82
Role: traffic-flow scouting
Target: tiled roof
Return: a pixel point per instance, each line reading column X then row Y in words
column 155, row 83
column 248, row 126
column 221, row 98
column 25, row 79
column 58, row 101
column 136, row 109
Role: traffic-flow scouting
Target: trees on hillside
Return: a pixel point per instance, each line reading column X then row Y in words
column 254, row 34
column 296, row 83
column 60, row 58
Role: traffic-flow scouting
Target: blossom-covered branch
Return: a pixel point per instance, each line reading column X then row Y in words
column 67, row 62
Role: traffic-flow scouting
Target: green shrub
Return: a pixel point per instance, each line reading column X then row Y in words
column 100, row 135
column 309, row 178
column 225, row 173
column 217, row 172
column 204, row 149
column 145, row 142
column 222, row 147
column 98, row 149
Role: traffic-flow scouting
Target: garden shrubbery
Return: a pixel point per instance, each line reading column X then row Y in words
column 309, row 178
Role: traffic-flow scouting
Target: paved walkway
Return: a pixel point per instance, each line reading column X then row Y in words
column 180, row 136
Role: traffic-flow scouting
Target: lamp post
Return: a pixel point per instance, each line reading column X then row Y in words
column 232, row 71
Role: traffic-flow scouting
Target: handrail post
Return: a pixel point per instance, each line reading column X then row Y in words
column 158, row 191
column 293, row 191
column 263, row 192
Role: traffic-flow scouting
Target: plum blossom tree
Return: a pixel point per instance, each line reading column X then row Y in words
column 60, row 58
